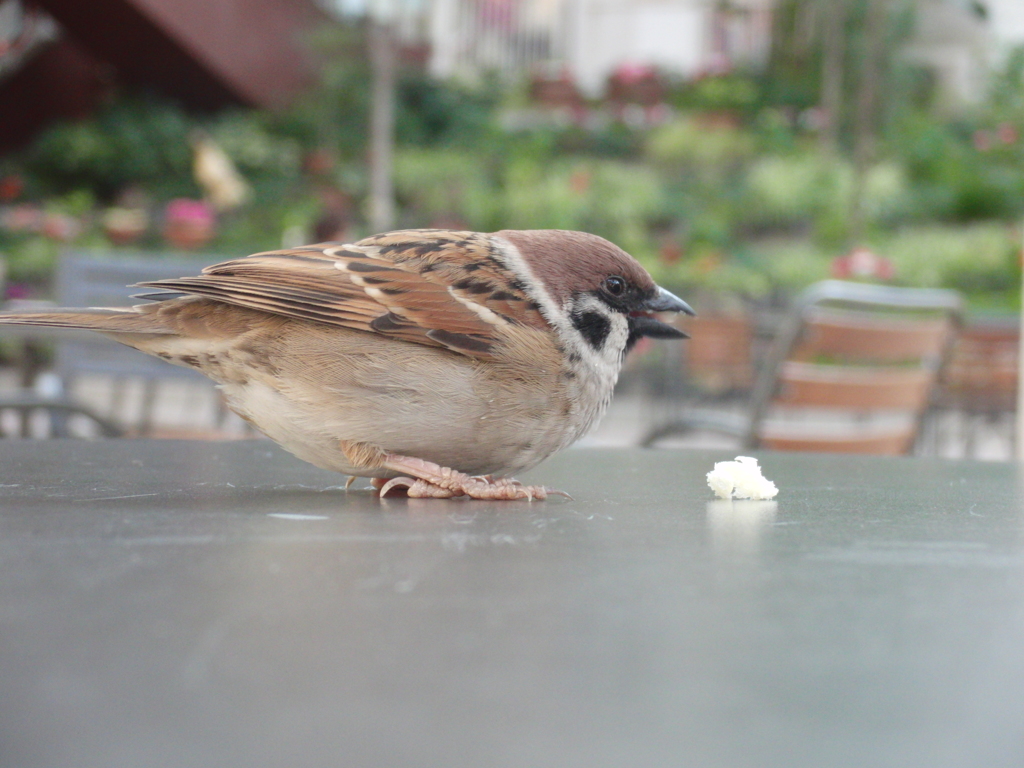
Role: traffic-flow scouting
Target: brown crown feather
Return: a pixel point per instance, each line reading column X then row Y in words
column 568, row 262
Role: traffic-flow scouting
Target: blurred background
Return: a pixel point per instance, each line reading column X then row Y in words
column 742, row 150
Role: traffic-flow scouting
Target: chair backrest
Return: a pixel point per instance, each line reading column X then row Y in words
column 861, row 388
column 859, row 349
column 868, row 337
column 86, row 280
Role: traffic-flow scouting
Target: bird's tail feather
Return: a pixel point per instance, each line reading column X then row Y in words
column 102, row 320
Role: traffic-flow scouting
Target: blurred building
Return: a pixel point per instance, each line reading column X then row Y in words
column 593, row 38
column 954, row 40
column 1006, row 20
column 959, row 40
column 59, row 58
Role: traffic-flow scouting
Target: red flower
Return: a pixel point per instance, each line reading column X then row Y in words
column 11, row 188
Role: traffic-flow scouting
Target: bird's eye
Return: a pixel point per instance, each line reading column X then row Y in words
column 615, row 285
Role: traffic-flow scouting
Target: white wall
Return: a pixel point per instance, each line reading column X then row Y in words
column 591, row 38
column 604, row 34
column 1006, row 20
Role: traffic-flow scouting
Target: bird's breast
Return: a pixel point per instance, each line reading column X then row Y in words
column 477, row 416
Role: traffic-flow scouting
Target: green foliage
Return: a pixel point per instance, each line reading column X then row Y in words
column 1007, row 88
column 732, row 193
column 259, row 152
column 335, row 114
column 145, row 142
column 134, row 140
column 432, row 113
column 973, row 259
column 795, row 60
column 31, row 259
column 687, row 146
column 607, row 197
column 806, row 190
column 734, row 92
column 445, row 185
column 613, row 139
column 981, row 261
column 956, row 180
column 786, row 191
column 790, row 265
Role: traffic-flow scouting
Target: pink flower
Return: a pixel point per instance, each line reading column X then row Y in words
column 61, row 227
column 194, row 211
column 22, row 218
column 1008, row 133
column 630, row 73
column 862, row 263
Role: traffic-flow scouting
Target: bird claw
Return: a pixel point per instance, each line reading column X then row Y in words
column 416, row 489
column 426, row 480
column 537, row 491
column 499, row 489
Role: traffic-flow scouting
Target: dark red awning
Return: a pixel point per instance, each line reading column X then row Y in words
column 205, row 53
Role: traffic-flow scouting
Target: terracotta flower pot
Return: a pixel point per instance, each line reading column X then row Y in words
column 123, row 226
column 188, row 224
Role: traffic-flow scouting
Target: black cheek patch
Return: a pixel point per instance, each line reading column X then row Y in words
column 593, row 326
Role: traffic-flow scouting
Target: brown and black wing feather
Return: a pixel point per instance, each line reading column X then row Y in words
column 434, row 287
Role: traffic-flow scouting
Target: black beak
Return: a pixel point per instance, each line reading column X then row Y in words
column 643, row 324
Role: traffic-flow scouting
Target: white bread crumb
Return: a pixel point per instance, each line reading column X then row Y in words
column 740, row 479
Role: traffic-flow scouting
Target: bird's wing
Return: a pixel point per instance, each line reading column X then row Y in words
column 434, row 287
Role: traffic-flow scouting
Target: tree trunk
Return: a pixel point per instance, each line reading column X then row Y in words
column 866, row 121
column 832, row 74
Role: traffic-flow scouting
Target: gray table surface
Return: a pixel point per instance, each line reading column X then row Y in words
column 223, row 604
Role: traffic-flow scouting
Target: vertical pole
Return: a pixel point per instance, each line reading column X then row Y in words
column 1019, row 445
column 867, row 111
column 834, row 14
column 382, row 126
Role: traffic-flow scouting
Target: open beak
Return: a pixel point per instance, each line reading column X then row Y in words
column 643, row 323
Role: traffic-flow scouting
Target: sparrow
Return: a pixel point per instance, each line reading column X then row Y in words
column 437, row 361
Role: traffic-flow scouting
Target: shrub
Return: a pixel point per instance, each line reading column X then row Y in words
column 445, row 185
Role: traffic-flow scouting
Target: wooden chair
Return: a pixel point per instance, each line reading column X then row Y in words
column 40, row 416
column 981, row 376
column 83, row 280
column 977, row 395
column 850, row 371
